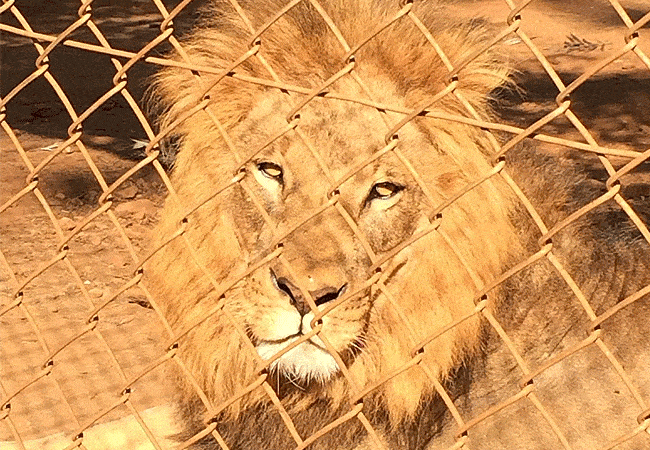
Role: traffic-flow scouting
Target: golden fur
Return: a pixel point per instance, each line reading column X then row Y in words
column 228, row 233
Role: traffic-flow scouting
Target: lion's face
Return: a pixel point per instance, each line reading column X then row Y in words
column 323, row 256
column 316, row 244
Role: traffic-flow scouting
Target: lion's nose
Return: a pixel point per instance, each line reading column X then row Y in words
column 297, row 299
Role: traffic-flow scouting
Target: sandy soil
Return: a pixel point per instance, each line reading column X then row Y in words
column 84, row 372
column 574, row 35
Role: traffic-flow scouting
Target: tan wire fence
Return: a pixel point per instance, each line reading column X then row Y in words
column 79, row 352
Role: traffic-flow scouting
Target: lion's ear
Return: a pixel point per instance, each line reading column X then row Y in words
column 173, row 92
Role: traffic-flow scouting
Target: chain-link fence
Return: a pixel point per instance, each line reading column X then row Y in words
column 89, row 343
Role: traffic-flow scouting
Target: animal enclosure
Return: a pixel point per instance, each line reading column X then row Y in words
column 85, row 348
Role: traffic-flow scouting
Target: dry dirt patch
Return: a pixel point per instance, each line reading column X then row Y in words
column 84, row 371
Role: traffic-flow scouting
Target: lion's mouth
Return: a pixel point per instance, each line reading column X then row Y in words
column 306, row 362
column 288, row 339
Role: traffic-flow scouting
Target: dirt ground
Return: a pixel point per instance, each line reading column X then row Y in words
column 573, row 34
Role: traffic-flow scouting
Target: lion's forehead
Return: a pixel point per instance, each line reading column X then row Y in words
column 341, row 134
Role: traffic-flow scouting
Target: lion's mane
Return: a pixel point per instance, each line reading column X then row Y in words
column 479, row 232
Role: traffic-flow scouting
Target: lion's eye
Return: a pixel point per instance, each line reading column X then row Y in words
column 383, row 191
column 270, row 170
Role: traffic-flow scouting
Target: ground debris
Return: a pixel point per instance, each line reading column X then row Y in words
column 574, row 43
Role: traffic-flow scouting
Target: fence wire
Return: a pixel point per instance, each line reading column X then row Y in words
column 44, row 344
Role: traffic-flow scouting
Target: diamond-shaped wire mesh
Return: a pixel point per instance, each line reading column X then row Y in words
column 88, row 342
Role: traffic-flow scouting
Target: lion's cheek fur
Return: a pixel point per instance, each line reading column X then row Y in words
column 228, row 370
column 421, row 287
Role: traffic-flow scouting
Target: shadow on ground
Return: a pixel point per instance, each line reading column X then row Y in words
column 84, row 76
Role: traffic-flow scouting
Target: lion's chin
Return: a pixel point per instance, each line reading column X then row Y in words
column 305, row 363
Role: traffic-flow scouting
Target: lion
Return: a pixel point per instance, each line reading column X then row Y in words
column 311, row 251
